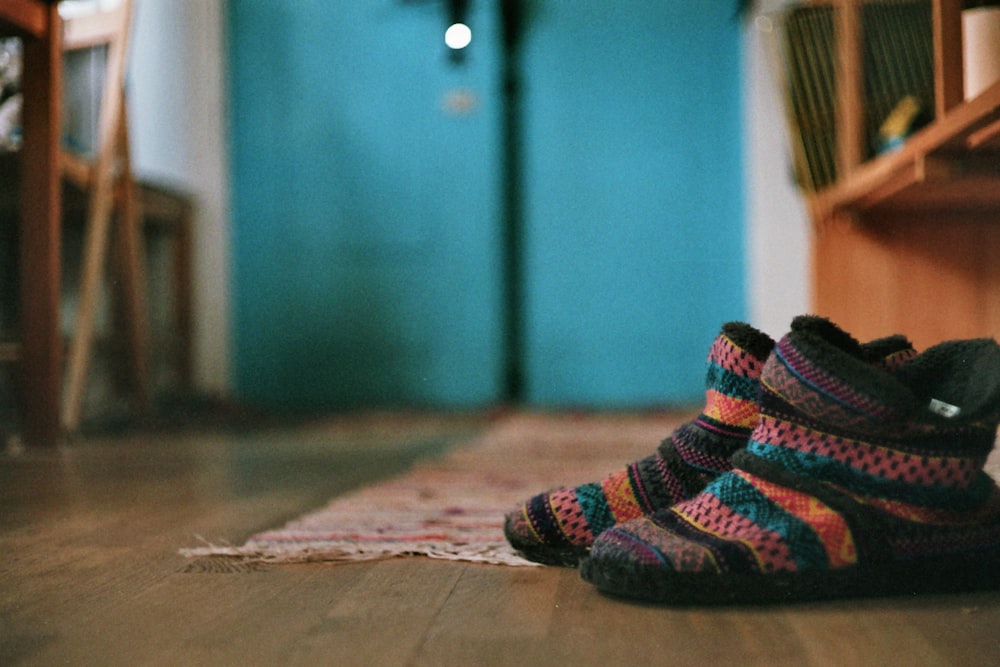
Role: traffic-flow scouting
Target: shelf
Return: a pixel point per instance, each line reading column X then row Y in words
column 907, row 241
column 952, row 165
column 25, row 17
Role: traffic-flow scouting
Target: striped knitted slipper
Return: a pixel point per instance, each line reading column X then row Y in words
column 855, row 482
column 558, row 527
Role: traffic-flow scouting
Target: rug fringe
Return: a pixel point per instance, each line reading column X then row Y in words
column 453, row 508
column 493, row 554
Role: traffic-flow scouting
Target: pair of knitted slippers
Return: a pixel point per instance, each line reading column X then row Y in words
column 820, row 467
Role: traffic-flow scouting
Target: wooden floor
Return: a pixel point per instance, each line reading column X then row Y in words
column 90, row 574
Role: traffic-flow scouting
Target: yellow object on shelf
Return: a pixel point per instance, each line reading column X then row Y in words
column 899, row 123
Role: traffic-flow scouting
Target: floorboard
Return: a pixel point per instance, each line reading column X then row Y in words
column 91, row 574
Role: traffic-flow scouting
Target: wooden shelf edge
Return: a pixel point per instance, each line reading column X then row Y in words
column 965, row 128
column 28, row 19
column 985, row 136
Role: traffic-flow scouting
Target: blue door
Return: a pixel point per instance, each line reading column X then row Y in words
column 365, row 208
column 369, row 239
column 634, row 235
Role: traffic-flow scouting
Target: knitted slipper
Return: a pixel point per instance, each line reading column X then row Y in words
column 855, row 482
column 558, row 527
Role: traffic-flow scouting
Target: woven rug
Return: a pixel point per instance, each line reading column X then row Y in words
column 453, row 507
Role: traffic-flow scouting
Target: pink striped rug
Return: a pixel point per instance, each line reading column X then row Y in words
column 453, row 507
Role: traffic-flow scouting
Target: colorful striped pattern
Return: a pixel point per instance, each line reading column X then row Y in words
column 813, row 476
column 938, row 465
column 792, row 370
column 570, row 518
column 767, row 518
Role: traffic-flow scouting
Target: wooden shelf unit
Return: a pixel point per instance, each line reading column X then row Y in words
column 909, row 241
column 952, row 165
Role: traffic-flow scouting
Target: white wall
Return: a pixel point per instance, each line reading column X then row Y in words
column 177, row 116
column 778, row 226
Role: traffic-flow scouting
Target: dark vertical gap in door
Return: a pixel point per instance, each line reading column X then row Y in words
column 512, row 20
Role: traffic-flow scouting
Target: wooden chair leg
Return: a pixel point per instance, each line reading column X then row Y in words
column 40, row 369
column 131, row 265
column 94, row 255
column 111, row 167
column 183, row 306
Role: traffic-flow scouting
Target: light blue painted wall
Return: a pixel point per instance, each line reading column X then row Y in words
column 636, row 222
column 366, row 219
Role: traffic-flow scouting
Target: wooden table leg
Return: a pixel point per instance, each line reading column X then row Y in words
column 41, row 347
